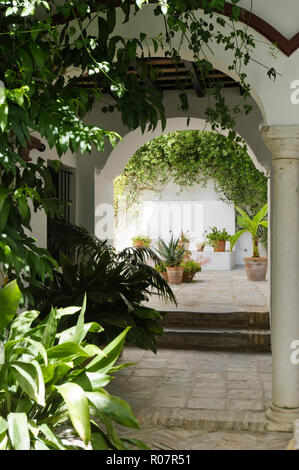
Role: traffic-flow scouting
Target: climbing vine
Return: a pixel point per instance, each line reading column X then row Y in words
column 57, row 58
column 194, row 157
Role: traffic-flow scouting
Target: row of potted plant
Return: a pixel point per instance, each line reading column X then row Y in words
column 216, row 239
column 174, row 254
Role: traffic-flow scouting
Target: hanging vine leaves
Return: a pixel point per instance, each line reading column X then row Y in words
column 194, row 157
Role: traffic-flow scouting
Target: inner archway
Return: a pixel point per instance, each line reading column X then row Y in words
column 196, row 177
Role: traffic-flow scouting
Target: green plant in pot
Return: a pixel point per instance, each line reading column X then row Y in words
column 217, row 238
column 191, row 267
column 184, row 240
column 141, row 240
column 172, row 255
column 256, row 266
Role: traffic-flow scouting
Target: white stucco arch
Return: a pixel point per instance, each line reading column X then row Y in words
column 121, row 154
column 132, row 141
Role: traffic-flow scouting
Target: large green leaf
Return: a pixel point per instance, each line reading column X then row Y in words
column 18, row 431
column 48, row 433
column 28, row 377
column 91, row 381
column 69, row 334
column 66, row 350
column 261, row 214
column 34, row 348
column 67, row 311
column 98, row 441
column 234, row 238
column 10, row 296
column 114, row 407
column 264, row 223
column 77, row 405
column 22, row 324
column 50, row 330
column 79, row 332
column 112, row 351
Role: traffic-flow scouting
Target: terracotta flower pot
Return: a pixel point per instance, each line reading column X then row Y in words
column 175, row 275
column 220, row 245
column 165, row 275
column 188, row 277
column 256, row 268
column 139, row 243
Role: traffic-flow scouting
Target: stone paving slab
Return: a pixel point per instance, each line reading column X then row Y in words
column 218, row 292
column 197, row 389
column 162, row 438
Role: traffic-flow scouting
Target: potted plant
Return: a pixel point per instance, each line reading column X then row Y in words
column 172, row 255
column 256, row 266
column 217, row 238
column 191, row 267
column 200, row 246
column 184, row 240
column 141, row 240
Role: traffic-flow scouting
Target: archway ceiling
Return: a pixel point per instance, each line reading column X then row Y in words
column 163, row 74
column 167, row 75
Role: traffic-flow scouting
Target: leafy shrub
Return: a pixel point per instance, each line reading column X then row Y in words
column 116, row 285
column 191, row 266
column 217, row 235
column 48, row 379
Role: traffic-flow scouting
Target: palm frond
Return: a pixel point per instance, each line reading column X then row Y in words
column 138, row 254
column 77, row 239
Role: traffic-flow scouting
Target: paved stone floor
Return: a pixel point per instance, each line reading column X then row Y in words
column 208, row 399
column 161, row 438
column 218, row 291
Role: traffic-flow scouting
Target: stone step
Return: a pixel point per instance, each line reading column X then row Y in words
column 242, row 340
column 229, row 320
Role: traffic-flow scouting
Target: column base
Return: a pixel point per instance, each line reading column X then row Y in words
column 281, row 419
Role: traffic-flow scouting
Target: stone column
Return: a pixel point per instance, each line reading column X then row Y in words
column 283, row 141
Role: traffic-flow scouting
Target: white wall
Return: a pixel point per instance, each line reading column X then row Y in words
column 194, row 209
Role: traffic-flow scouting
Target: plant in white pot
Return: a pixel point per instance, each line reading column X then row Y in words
column 256, row 266
column 172, row 255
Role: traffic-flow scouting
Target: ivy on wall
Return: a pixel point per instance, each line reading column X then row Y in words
column 194, row 157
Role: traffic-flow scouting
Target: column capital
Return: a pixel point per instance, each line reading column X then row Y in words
column 282, row 141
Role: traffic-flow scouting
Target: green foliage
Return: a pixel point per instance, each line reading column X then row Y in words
column 52, row 70
column 217, row 235
column 252, row 226
column 191, row 266
column 146, row 241
column 21, row 190
column 184, row 237
column 160, row 267
column 194, row 157
column 172, row 254
column 49, row 378
column 116, row 285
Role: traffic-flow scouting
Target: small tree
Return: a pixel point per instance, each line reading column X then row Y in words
column 251, row 226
